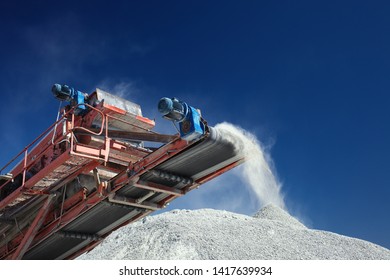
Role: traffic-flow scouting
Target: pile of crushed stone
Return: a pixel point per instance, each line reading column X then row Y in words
column 209, row 234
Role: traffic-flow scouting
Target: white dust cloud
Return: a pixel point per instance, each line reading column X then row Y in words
column 256, row 172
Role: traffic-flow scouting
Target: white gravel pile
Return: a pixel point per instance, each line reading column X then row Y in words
column 208, row 234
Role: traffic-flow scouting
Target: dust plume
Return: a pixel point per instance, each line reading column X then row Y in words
column 256, row 172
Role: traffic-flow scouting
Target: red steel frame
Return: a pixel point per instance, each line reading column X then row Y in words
column 33, row 229
column 48, row 220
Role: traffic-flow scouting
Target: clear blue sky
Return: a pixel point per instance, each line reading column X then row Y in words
column 309, row 78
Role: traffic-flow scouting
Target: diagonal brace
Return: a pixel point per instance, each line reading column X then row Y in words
column 33, row 229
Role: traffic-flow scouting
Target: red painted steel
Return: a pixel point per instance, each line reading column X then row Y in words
column 33, row 229
column 159, row 188
column 58, row 156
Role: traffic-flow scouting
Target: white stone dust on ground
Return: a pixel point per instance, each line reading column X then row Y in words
column 208, row 234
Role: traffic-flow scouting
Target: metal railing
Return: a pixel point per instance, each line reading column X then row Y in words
column 25, row 164
column 22, row 158
column 25, row 152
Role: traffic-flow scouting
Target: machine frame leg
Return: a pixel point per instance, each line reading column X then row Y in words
column 33, row 229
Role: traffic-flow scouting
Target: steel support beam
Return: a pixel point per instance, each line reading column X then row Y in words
column 33, row 229
column 131, row 135
column 133, row 202
column 158, row 188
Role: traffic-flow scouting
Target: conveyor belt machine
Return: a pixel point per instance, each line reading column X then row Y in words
column 91, row 172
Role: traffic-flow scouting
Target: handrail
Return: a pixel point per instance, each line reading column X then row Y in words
column 26, row 152
column 73, row 128
column 66, row 115
column 32, row 143
column 85, row 129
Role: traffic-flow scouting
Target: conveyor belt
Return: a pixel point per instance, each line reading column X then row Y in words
column 98, row 221
column 204, row 158
column 207, row 156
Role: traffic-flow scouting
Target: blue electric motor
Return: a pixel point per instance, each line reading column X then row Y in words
column 75, row 97
column 189, row 119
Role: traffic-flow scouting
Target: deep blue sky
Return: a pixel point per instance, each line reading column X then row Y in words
column 309, row 78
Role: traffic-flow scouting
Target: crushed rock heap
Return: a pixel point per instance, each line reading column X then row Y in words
column 208, row 234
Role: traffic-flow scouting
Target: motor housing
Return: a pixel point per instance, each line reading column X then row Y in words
column 189, row 118
column 69, row 94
